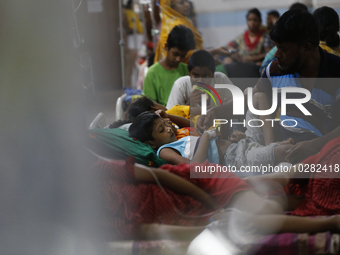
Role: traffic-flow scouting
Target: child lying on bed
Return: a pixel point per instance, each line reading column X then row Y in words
column 149, row 128
column 144, row 104
column 139, row 208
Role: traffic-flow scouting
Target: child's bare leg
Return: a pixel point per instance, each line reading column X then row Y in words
column 261, row 102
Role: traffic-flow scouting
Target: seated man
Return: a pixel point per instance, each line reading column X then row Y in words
column 201, row 65
column 270, row 55
column 298, row 56
column 162, row 75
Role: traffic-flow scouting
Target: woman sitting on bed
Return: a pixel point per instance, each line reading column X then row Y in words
column 253, row 44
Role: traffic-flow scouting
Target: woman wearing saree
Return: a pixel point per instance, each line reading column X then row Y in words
column 252, row 45
column 176, row 12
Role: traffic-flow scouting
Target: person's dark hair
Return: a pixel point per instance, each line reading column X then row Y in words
column 202, row 58
column 256, row 12
column 142, row 104
column 142, row 127
column 274, row 13
column 182, row 38
column 328, row 21
column 296, row 26
column 298, row 6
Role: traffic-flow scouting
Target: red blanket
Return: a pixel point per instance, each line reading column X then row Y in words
column 323, row 195
column 130, row 204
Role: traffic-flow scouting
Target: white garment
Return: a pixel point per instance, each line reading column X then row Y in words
column 182, row 89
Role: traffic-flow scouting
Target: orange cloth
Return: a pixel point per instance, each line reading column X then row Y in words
column 182, row 132
column 180, row 110
column 170, row 19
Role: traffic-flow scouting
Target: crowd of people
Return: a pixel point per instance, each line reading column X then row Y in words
column 168, row 119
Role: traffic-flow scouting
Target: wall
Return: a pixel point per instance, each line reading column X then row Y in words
column 223, row 20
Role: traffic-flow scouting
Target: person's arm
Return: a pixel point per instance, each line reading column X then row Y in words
column 195, row 110
column 174, row 183
column 254, row 58
column 172, row 157
column 222, row 51
column 202, row 149
column 305, row 149
column 179, row 120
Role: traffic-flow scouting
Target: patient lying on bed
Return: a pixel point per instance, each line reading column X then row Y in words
column 180, row 209
column 149, row 128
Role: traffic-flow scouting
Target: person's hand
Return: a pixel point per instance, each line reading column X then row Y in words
column 195, row 97
column 162, row 114
column 288, row 141
column 209, row 118
column 236, row 136
column 200, row 124
column 212, row 133
column 301, row 151
column 167, row 122
column 222, row 51
column 246, row 58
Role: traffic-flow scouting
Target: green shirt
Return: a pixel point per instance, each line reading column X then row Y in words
column 159, row 81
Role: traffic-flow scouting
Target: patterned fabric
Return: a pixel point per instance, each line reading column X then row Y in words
column 182, row 132
column 323, row 194
column 130, row 204
column 170, row 19
column 243, row 43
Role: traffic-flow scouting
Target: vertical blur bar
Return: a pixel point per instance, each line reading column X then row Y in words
column 122, row 42
column 204, row 104
column 47, row 196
